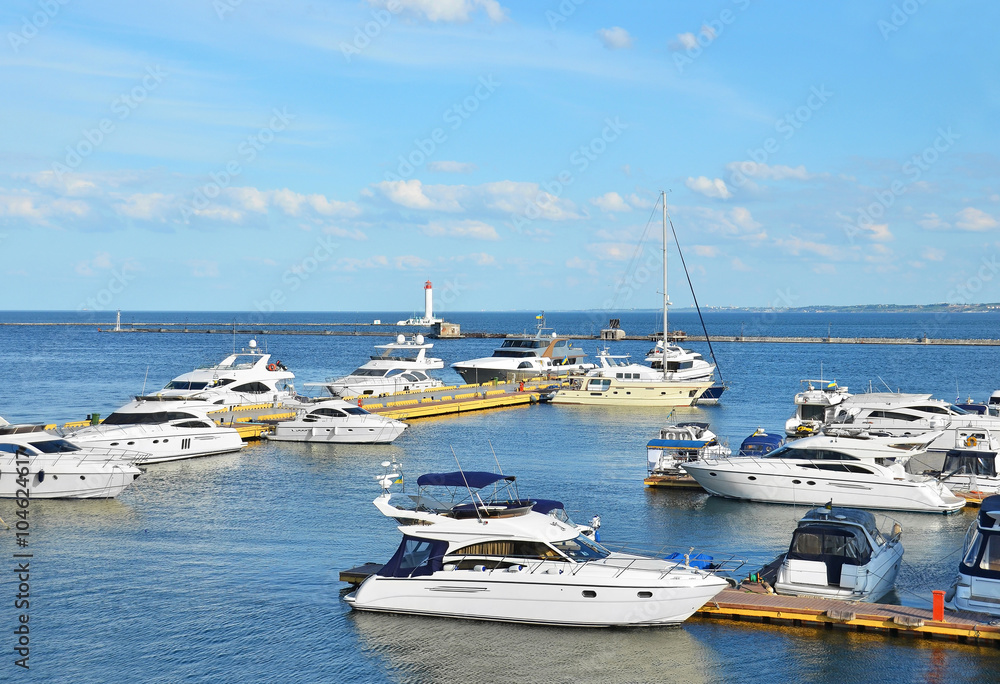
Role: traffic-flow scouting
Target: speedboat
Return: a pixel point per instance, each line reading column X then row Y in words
column 58, row 469
column 245, row 377
column 861, row 471
column 399, row 367
column 166, row 429
column 676, row 445
column 840, row 553
column 811, row 406
column 337, row 421
column 501, row 560
column 522, row 357
column 978, row 585
column 618, row 381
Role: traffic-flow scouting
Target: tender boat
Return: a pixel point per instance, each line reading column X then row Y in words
column 59, row 469
column 398, row 367
column 245, row 377
column 164, row 429
column 522, row 357
column 628, row 384
column 337, row 421
column 978, row 585
column 861, row 471
column 840, row 553
column 501, row 560
column 677, row 444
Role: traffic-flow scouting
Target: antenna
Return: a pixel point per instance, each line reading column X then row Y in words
column 234, row 335
column 884, row 383
column 471, row 495
column 144, row 382
column 490, row 442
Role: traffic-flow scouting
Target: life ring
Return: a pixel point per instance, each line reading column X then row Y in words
column 359, row 401
column 971, row 441
column 272, row 367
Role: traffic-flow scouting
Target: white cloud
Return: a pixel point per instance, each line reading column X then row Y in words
column 796, row 246
column 73, row 184
column 410, row 261
column 639, row 202
column 615, row 38
column 610, row 201
column 611, row 251
column 737, row 265
column 750, row 169
column 345, row 233
column 466, row 228
column 684, row 41
column 145, row 206
column 412, row 194
column 738, row 222
column 478, row 258
column 451, row 167
column 348, row 264
column 933, row 254
column 709, row 187
column 444, row 10
column 974, row 219
column 824, row 269
column 705, row 250
column 202, row 268
column 879, row 232
column 933, row 222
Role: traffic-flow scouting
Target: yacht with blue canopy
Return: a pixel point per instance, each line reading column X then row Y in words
column 677, row 444
column 978, row 585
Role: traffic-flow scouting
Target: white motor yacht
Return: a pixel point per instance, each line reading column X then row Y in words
column 398, row 367
column 859, row 471
column 337, row 421
column 811, row 406
column 682, row 364
column 978, row 585
column 840, row 553
column 523, row 357
column 59, row 469
column 503, row 561
column 245, row 377
column 166, row 429
column 677, row 444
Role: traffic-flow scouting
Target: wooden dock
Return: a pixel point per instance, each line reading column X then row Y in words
column 456, row 399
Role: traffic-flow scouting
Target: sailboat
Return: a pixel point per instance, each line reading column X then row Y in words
column 623, row 385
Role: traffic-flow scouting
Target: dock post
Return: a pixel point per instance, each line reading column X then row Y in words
column 938, row 613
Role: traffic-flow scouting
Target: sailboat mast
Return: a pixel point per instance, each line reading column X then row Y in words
column 666, row 298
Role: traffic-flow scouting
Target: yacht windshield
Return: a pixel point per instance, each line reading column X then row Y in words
column 118, row 418
column 55, row 446
column 582, row 549
column 959, row 410
column 185, row 385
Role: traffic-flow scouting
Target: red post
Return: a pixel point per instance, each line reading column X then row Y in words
column 938, row 605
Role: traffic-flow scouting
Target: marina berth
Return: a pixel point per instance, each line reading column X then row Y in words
column 164, row 429
column 978, row 585
column 501, row 560
column 401, row 366
column 333, row 421
column 860, row 471
column 58, row 469
column 840, row 553
column 245, row 377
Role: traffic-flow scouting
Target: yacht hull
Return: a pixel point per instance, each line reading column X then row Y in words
column 534, row 598
column 101, row 482
column 162, row 445
column 337, row 434
column 790, row 483
column 634, row 394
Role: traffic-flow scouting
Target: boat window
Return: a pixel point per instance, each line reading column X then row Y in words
column 837, row 467
column 561, row 343
column 332, row 413
column 812, row 412
column 410, row 376
column 369, row 372
column 810, row 454
column 185, row 385
column 513, row 354
column 961, row 411
column 55, row 446
column 958, row 462
column 893, row 415
column 252, row 388
column 582, row 549
column 973, row 553
column 508, row 548
column 11, row 448
column 415, row 557
column 356, row 411
column 932, row 409
column 599, row 385
column 524, row 364
column 393, row 372
column 822, row 543
column 991, row 557
column 192, row 424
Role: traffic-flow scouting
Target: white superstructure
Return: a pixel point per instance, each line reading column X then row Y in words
column 401, row 366
column 335, row 421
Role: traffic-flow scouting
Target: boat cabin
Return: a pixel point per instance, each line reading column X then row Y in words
column 761, row 443
column 978, row 586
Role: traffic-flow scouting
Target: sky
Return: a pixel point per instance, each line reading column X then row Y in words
column 256, row 155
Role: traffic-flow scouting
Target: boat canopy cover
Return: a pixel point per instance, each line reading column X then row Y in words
column 415, row 557
column 475, row 479
column 835, row 515
column 836, row 546
column 676, row 443
column 990, row 505
column 970, row 462
column 546, row 505
column 761, row 443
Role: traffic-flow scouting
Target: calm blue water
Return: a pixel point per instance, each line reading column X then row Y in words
column 225, row 568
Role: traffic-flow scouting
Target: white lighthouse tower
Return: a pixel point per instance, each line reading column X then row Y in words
column 428, row 317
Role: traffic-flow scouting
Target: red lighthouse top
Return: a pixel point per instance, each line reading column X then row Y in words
column 427, row 285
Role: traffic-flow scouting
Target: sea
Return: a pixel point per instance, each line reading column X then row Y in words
column 225, row 568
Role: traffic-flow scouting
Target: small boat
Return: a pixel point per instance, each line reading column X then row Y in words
column 400, row 366
column 862, row 471
column 245, row 377
column 164, row 429
column 978, row 585
column 501, row 560
column 523, row 357
column 840, row 553
column 676, row 445
column 336, row 421
column 59, row 469
column 761, row 443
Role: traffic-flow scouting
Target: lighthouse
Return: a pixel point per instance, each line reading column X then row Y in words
column 428, row 301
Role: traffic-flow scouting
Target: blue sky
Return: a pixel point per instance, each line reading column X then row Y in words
column 258, row 155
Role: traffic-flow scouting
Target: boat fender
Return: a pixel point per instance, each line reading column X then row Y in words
column 272, row 367
column 971, row 441
column 41, row 475
column 359, row 401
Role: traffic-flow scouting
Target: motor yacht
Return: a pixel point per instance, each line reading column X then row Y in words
column 811, row 405
column 245, row 377
column 164, row 428
column 337, row 421
column 978, row 585
column 677, row 444
column 504, row 561
column 59, row 469
column 861, row 471
column 522, row 357
column 398, row 367
column 840, row 553
column 971, row 469
column 682, row 364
